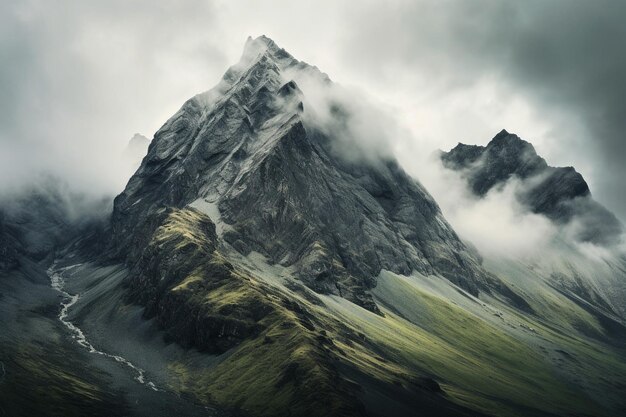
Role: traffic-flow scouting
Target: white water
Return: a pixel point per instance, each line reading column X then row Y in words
column 58, row 283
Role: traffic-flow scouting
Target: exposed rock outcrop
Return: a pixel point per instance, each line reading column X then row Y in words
column 561, row 194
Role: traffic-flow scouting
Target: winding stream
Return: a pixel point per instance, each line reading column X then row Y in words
column 58, row 283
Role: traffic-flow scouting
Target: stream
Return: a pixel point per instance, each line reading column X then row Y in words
column 58, row 283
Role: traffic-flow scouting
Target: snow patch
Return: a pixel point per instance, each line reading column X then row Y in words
column 209, row 207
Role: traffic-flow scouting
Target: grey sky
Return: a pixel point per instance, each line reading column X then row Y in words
column 78, row 79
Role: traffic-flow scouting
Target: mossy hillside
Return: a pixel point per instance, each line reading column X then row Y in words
column 547, row 303
column 579, row 358
column 186, row 227
column 288, row 364
column 38, row 377
column 479, row 364
column 275, row 360
column 293, row 366
column 554, row 308
column 180, row 241
column 572, row 343
column 284, row 371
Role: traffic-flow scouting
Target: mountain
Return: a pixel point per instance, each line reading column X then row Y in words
column 136, row 149
column 561, row 194
column 245, row 218
column 263, row 261
column 245, row 152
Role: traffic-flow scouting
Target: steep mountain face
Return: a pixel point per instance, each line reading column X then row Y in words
column 246, row 152
column 561, row 194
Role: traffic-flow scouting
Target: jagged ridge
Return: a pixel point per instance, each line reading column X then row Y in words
column 561, row 194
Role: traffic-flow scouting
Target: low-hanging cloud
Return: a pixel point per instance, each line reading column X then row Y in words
column 497, row 224
column 360, row 128
column 80, row 78
column 562, row 61
column 363, row 129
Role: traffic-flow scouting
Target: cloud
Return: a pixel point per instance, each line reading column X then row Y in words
column 561, row 62
column 497, row 224
column 359, row 127
column 79, row 78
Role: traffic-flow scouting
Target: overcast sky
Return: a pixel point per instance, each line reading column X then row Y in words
column 78, row 79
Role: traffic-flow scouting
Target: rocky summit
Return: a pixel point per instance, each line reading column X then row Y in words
column 561, row 194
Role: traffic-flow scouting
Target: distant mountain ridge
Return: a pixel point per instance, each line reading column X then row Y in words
column 561, row 194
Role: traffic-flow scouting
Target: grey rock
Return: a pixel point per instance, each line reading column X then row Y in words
column 285, row 192
column 561, row 194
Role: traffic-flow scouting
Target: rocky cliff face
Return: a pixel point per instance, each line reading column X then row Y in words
column 561, row 194
column 249, row 149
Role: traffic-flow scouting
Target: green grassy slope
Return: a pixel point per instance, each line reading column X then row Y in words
column 287, row 351
column 493, row 360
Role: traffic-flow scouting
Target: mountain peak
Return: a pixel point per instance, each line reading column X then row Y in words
column 259, row 44
column 136, row 148
column 502, row 134
column 255, row 48
column 138, row 140
column 277, row 187
column 559, row 193
column 265, row 40
column 506, row 138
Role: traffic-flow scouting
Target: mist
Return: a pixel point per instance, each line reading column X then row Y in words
column 360, row 128
column 80, row 79
column 498, row 224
